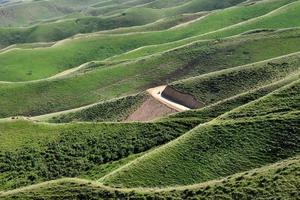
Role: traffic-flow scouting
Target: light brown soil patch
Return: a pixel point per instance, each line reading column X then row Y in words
column 151, row 109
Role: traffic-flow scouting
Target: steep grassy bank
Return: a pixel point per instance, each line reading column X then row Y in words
column 210, row 112
column 105, row 82
column 32, row 152
column 221, row 147
column 216, row 86
column 280, row 180
column 115, row 110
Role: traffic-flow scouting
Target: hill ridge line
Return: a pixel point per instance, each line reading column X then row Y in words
column 154, row 189
column 216, row 120
column 238, row 67
column 215, row 31
column 41, row 117
column 191, row 78
column 74, row 69
column 99, row 34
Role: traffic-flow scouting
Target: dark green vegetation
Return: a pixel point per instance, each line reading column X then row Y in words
column 280, row 180
column 239, row 58
column 51, row 152
column 115, row 110
column 278, row 103
column 27, row 12
column 221, row 147
column 210, row 112
column 211, row 88
column 211, row 152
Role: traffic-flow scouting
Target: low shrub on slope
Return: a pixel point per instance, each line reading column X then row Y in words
column 279, row 180
column 32, row 153
column 278, row 103
column 115, row 110
column 217, row 149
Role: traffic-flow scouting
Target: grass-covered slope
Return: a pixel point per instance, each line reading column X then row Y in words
column 105, row 82
column 163, row 7
column 221, row 147
column 214, row 110
column 69, row 54
column 120, row 109
column 279, row 103
column 278, row 180
column 32, row 152
column 27, row 12
column 240, row 59
column 218, row 23
column 216, row 86
column 115, row 110
column 135, row 16
column 54, row 31
column 249, row 19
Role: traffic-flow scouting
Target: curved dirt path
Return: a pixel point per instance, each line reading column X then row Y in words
column 156, row 93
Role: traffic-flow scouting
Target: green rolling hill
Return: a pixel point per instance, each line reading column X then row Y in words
column 104, row 46
column 140, row 14
column 27, row 12
column 44, row 96
column 221, row 147
column 149, row 99
column 278, row 180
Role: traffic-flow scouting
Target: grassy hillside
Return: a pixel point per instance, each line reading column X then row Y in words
column 278, row 103
column 163, row 7
column 115, row 110
column 32, row 152
column 36, row 98
column 57, row 30
column 69, row 54
column 162, row 24
column 106, row 111
column 28, row 12
column 54, row 31
column 55, row 141
column 216, row 86
column 212, row 111
column 82, row 116
column 217, row 23
column 280, row 180
column 219, row 148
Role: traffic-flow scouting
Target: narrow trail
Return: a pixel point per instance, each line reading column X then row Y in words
column 156, row 93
